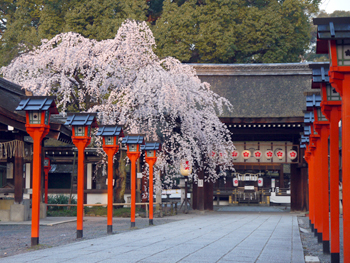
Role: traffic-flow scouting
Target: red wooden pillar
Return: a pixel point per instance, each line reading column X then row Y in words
column 323, row 130
column 37, row 134
column 332, row 110
column 133, row 156
column 341, row 81
column 310, row 160
column 151, row 161
column 315, row 138
column 110, row 151
column 81, row 144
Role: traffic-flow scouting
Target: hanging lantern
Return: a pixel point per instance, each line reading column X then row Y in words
column 260, row 182
column 279, row 154
column 246, row 154
column 269, row 154
column 235, row 154
column 185, row 168
column 257, row 154
column 235, row 181
column 292, row 154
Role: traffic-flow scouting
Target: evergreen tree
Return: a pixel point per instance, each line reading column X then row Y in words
column 238, row 31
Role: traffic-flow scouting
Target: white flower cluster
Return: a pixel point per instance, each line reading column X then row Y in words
column 124, row 81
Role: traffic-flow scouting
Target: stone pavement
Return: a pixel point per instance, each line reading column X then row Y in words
column 211, row 237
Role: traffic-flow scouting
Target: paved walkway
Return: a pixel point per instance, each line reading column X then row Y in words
column 212, row 237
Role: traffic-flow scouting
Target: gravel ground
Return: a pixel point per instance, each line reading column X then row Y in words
column 15, row 239
column 311, row 246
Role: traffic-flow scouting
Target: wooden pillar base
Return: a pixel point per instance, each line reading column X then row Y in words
column 326, row 249
column 132, row 224
column 319, row 237
column 151, row 222
column 79, row 233
column 109, row 229
column 335, row 257
column 315, row 232
column 312, row 227
column 34, row 241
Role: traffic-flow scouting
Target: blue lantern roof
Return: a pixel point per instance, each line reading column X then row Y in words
column 134, row 139
column 304, row 139
column 150, row 146
column 330, row 28
column 309, row 117
column 313, row 101
column 307, row 130
column 319, row 74
column 110, row 130
column 38, row 103
column 82, row 119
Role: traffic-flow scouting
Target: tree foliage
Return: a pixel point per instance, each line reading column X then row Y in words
column 25, row 22
column 239, row 31
column 124, row 81
column 206, row 31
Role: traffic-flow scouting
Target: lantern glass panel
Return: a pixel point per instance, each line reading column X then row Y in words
column 343, row 52
column 109, row 140
column 320, row 116
column 89, row 131
column 46, row 162
column 132, row 147
column 47, row 117
column 79, row 130
column 332, row 95
column 150, row 153
column 35, row 117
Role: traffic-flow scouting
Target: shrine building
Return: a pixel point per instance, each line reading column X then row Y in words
column 266, row 122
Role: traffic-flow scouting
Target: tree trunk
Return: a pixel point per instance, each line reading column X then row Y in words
column 120, row 184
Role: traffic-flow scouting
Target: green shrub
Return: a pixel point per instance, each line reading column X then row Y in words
column 59, row 199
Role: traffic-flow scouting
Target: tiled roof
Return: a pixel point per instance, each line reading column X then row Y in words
column 82, row 119
column 259, row 91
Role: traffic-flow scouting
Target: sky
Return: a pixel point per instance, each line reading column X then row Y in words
column 332, row 5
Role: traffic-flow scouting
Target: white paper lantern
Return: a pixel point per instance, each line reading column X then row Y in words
column 246, row 154
column 185, row 168
column 257, row 154
column 269, row 154
column 235, row 181
column 280, row 154
column 235, row 154
column 260, row 182
column 292, row 154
